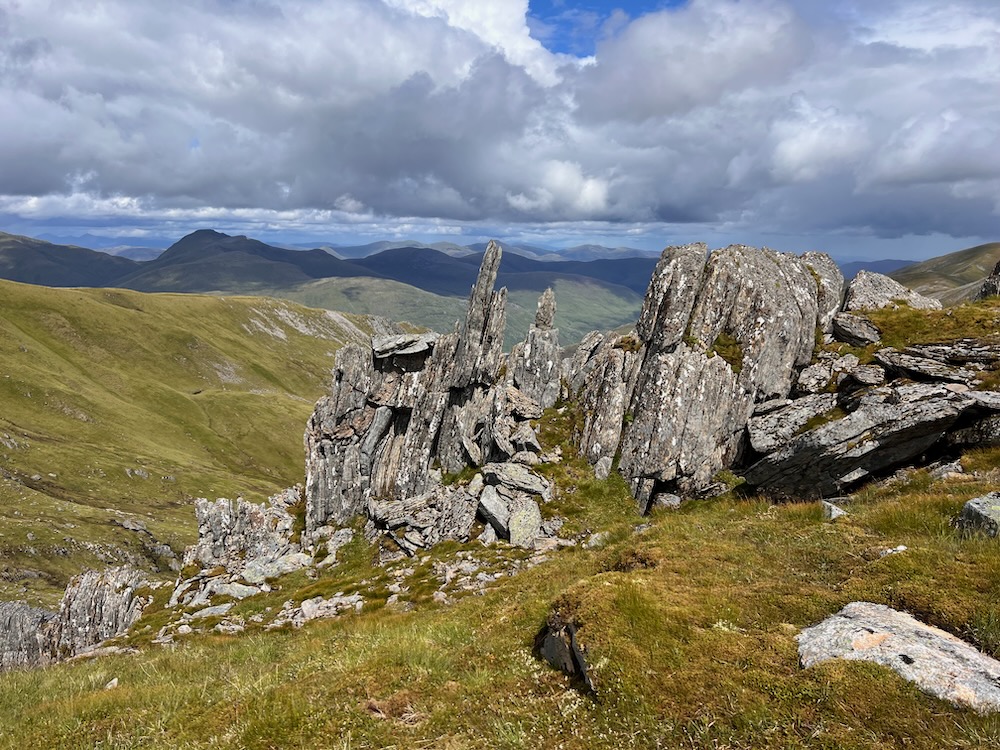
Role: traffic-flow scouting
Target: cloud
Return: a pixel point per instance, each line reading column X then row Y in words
column 782, row 116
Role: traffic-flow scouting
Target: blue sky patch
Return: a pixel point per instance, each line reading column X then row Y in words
column 575, row 27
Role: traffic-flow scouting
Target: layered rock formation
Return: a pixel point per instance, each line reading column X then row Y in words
column 407, row 409
column 874, row 418
column 96, row 606
column 717, row 335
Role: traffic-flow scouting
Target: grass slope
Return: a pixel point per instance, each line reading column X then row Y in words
column 116, row 404
column 954, row 277
column 582, row 305
column 689, row 623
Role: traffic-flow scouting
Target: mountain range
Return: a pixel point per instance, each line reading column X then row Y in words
column 426, row 285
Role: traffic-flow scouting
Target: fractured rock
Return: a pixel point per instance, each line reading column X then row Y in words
column 519, row 478
column 908, row 365
column 991, row 286
column 98, row 605
column 935, row 661
column 885, row 427
column 855, row 330
column 770, row 431
column 24, row 636
column 231, row 533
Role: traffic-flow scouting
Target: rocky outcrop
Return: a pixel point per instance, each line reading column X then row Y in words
column 872, row 291
column 878, row 428
column 408, row 409
column 392, row 412
column 534, row 364
column 25, row 635
column 981, row 514
column 935, row 661
column 241, row 546
column 990, row 287
column 97, row 605
column 235, row 533
column 717, row 336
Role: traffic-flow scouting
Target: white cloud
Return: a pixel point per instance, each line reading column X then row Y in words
column 780, row 115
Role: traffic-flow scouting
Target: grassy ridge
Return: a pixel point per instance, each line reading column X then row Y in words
column 953, row 277
column 117, row 404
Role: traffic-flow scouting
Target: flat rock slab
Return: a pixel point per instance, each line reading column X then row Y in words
column 935, row 661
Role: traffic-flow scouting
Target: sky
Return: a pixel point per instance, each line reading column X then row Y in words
column 864, row 128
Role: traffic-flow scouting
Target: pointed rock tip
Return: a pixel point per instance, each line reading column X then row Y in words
column 546, row 313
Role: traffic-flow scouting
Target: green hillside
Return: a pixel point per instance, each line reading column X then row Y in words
column 688, row 617
column 953, row 277
column 117, row 405
column 581, row 305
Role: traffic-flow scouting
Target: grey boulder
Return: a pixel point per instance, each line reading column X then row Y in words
column 937, row 662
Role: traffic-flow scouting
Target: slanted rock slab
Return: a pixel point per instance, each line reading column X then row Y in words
column 873, row 291
column 935, row 661
column 855, row 330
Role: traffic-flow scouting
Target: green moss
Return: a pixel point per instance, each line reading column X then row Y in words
column 833, row 415
column 628, row 343
column 460, row 477
column 729, row 349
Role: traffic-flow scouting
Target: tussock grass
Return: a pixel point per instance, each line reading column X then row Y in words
column 689, row 626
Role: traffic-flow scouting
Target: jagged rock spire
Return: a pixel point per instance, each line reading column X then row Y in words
column 480, row 343
column 535, row 362
column 545, row 315
column 990, row 287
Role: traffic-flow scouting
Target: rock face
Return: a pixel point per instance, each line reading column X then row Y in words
column 872, row 291
column 535, row 363
column 990, row 287
column 96, row 606
column 24, row 636
column 715, row 337
column 937, row 662
column 406, row 405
